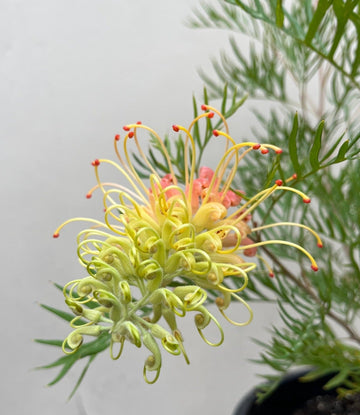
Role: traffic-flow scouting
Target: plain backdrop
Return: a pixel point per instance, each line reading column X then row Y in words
column 72, row 73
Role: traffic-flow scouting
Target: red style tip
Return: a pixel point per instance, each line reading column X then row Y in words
column 56, row 235
column 264, row 151
column 126, row 128
column 294, row 176
column 279, row 182
column 278, row 151
column 139, row 123
column 175, row 128
column 210, row 115
column 307, row 200
column 216, row 133
column 117, row 137
column 256, row 146
column 88, row 196
column 271, row 275
column 320, row 245
column 131, row 134
column 204, row 107
column 95, row 162
column 314, row 268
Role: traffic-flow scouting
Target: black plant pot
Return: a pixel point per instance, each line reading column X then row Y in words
column 289, row 396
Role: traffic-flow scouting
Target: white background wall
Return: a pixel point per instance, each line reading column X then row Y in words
column 71, row 74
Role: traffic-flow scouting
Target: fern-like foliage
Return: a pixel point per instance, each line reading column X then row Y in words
column 304, row 60
column 329, row 28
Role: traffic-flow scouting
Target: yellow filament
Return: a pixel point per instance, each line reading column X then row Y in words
column 235, row 323
column 275, row 148
column 150, row 382
column 76, row 326
column 195, row 120
column 124, row 173
column 121, row 159
column 165, row 152
column 134, row 172
column 243, row 274
column 275, row 241
column 220, row 164
column 291, row 189
column 205, row 256
column 193, row 161
column 223, row 119
column 249, row 266
column 221, row 333
column 158, row 193
column 231, row 176
column 258, row 199
column 78, row 298
column 225, row 164
column 120, row 350
column 57, row 231
column 118, row 186
column 298, row 225
column 238, row 241
column 66, row 351
column 142, row 153
column 190, row 238
column 178, row 337
column 113, row 228
column 176, row 202
column 267, row 265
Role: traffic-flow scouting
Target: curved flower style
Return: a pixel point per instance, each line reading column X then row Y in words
column 162, row 248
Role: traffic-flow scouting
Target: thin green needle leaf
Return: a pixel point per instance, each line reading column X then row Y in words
column 279, row 14
column 62, row 373
column 62, row 314
column 337, row 380
column 293, row 146
column 81, row 377
column 342, row 152
column 315, row 148
column 319, row 14
column 57, row 343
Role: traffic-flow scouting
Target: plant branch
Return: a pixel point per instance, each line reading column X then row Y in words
column 311, row 293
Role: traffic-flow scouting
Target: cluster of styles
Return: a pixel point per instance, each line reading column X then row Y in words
column 164, row 246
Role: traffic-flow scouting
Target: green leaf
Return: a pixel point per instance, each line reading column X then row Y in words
column 316, row 374
column 57, row 343
column 67, row 366
column 342, row 152
column 62, row 314
column 90, row 349
column 81, row 377
column 321, row 9
column 315, row 148
column 293, row 146
column 337, row 380
column 279, row 14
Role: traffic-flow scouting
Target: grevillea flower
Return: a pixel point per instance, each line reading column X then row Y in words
column 163, row 246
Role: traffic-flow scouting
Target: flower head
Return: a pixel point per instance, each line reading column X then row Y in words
column 164, row 246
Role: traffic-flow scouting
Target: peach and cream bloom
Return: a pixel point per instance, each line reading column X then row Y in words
column 165, row 246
